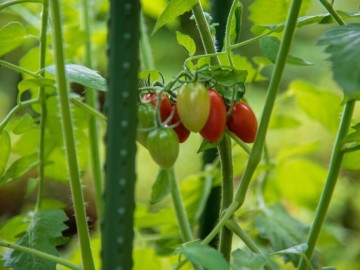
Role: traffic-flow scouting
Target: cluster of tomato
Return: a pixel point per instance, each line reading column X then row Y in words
column 197, row 109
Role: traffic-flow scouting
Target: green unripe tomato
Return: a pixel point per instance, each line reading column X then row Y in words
column 163, row 145
column 145, row 122
column 193, row 105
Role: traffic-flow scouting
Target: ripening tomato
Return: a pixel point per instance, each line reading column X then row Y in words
column 163, row 146
column 242, row 122
column 145, row 116
column 165, row 105
column 193, row 105
column 216, row 123
column 181, row 131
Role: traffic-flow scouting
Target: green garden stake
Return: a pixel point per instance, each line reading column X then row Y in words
column 121, row 103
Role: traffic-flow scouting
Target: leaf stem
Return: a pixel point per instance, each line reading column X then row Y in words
column 243, row 145
column 91, row 99
column 145, row 49
column 69, row 140
column 42, row 98
column 333, row 12
column 85, row 107
column 40, row 254
column 18, row 69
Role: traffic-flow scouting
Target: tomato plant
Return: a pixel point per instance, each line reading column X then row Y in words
column 242, row 122
column 146, row 114
column 216, row 123
column 163, row 146
column 181, row 131
column 193, row 105
column 165, row 105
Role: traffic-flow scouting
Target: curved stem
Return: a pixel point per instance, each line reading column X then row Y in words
column 69, row 140
column 15, row 2
column 91, row 99
column 42, row 98
column 41, row 254
column 18, row 69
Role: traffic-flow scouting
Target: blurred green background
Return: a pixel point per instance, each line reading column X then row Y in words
column 299, row 140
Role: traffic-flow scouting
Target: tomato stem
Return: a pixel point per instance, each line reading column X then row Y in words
column 69, row 140
column 91, row 100
column 42, row 98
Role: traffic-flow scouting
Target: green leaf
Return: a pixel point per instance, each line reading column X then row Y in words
column 273, row 12
column 235, row 24
column 82, row 75
column 186, row 42
column 282, row 230
column 321, row 105
column 354, row 137
column 161, row 187
column 206, row 145
column 12, row 35
column 19, row 168
column 298, row 249
column 13, row 227
column 302, row 21
column 34, row 83
column 343, row 45
column 25, row 123
column 43, row 234
column 270, row 47
column 5, row 146
column 173, row 9
column 152, row 74
column 204, row 255
column 229, row 77
column 248, row 260
column 281, row 121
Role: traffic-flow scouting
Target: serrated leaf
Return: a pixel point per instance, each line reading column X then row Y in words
column 5, row 146
column 43, row 234
column 82, row 75
column 19, row 168
column 273, row 12
column 343, row 45
column 282, row 230
column 186, row 42
column 354, row 137
column 161, row 187
column 12, row 35
column 321, row 105
column 281, row 121
column 241, row 260
column 205, row 256
column 323, row 18
column 270, row 47
column 173, row 9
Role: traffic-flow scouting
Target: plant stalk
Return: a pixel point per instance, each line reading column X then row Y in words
column 42, row 98
column 69, row 139
column 91, row 99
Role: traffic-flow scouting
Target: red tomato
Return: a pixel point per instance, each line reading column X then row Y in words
column 216, row 123
column 181, row 131
column 242, row 122
column 165, row 105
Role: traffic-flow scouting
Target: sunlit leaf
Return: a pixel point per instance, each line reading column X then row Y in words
column 161, row 187
column 241, row 259
column 26, row 122
column 321, row 105
column 82, row 75
column 186, row 42
column 34, row 83
column 233, row 30
column 281, row 229
column 282, row 121
column 5, row 146
column 204, row 255
column 298, row 249
column 173, row 9
column 302, row 21
column 273, row 12
column 43, row 234
column 343, row 45
column 12, row 35
column 13, row 227
column 19, row 168
column 270, row 47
